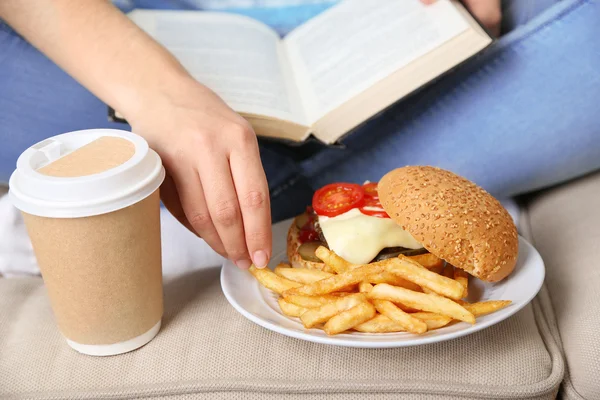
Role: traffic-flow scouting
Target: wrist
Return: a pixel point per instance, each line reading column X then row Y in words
column 151, row 90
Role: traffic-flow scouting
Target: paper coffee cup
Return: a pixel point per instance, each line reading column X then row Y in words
column 91, row 206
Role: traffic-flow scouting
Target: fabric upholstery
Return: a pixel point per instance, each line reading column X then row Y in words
column 565, row 227
column 206, row 350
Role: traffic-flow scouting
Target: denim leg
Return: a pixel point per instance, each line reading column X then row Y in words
column 518, row 12
column 38, row 100
column 520, row 117
column 532, row 96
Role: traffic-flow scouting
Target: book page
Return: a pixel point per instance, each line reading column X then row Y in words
column 242, row 60
column 357, row 43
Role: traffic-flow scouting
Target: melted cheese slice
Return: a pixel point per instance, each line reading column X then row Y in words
column 358, row 238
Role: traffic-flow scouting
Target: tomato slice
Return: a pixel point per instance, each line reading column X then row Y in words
column 371, row 190
column 380, row 213
column 371, row 205
column 337, row 198
column 371, row 202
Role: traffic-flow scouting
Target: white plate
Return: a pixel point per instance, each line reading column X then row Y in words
column 260, row 306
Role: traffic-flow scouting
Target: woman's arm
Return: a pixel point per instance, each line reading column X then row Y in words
column 216, row 185
column 98, row 46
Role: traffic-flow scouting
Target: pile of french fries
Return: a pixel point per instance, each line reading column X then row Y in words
column 401, row 294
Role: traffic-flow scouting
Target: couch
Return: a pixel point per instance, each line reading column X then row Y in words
column 206, row 350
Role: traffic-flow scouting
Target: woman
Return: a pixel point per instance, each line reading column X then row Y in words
column 518, row 118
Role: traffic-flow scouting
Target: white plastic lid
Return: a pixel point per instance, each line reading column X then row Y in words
column 134, row 177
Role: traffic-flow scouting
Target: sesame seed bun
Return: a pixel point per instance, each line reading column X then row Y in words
column 453, row 218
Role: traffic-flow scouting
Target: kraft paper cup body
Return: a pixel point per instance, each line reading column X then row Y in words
column 90, row 200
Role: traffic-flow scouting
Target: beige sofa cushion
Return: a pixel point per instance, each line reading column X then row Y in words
column 206, row 350
column 565, row 225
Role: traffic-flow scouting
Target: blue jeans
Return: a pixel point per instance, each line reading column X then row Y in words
column 521, row 116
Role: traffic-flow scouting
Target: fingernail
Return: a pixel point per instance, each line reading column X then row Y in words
column 260, row 259
column 243, row 264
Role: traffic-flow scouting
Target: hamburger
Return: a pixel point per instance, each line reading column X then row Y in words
column 412, row 210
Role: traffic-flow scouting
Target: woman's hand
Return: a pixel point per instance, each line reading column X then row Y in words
column 215, row 184
column 489, row 12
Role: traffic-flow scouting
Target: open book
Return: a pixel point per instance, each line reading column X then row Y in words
column 330, row 74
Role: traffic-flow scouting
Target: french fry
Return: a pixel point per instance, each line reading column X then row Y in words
column 336, row 282
column 305, row 301
column 301, row 275
column 319, row 315
column 404, row 294
column 347, row 289
column 268, row 279
column 392, row 279
column 289, row 309
column 428, row 260
column 321, row 266
column 462, row 277
column 364, row 287
column 406, row 309
column 408, row 323
column 412, row 271
column 350, row 318
column 433, row 321
column 379, row 324
column 485, row 307
column 428, row 291
column 382, row 324
column 337, row 263
column 421, row 301
column 351, row 290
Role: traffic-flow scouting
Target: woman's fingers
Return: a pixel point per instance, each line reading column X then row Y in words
column 253, row 194
column 222, row 199
column 171, row 200
column 224, row 210
column 196, row 133
column 193, row 203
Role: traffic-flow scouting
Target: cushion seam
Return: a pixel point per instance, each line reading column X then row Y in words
column 567, row 383
column 544, row 387
column 442, row 389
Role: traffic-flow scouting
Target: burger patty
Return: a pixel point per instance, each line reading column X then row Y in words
column 317, row 228
column 391, row 252
column 388, row 252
